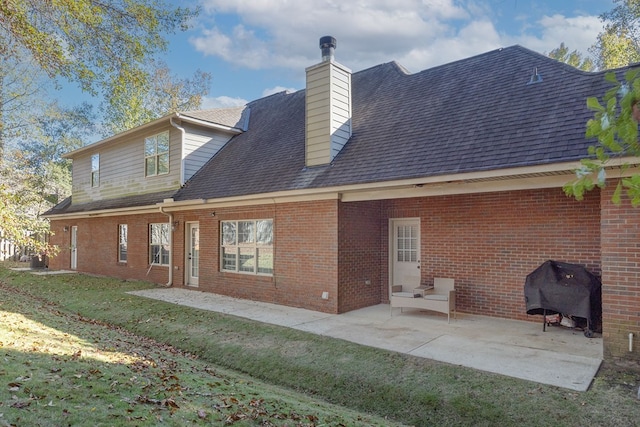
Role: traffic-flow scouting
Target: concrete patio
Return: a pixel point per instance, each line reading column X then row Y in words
column 560, row 357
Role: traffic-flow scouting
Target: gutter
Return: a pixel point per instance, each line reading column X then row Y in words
column 170, row 215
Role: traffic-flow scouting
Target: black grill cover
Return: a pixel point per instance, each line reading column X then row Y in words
column 568, row 289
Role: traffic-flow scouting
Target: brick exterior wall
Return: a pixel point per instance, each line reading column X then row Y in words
column 305, row 245
column 361, row 255
column 489, row 242
column 305, row 254
column 620, row 277
column 97, row 247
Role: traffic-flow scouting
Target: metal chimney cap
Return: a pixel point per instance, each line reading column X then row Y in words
column 327, row 45
column 328, row 41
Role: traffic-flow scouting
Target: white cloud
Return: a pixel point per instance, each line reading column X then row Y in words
column 477, row 37
column 222, row 102
column 283, row 34
column 277, row 89
column 578, row 33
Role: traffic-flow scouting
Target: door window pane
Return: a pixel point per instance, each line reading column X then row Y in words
column 407, row 243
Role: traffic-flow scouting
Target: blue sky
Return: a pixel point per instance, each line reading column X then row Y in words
column 254, row 48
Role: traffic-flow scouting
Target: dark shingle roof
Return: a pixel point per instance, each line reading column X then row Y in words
column 235, row 117
column 66, row 207
column 475, row 114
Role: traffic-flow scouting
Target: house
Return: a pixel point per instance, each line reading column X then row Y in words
column 326, row 197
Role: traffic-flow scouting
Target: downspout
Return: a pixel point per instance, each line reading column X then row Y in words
column 170, row 215
column 182, row 156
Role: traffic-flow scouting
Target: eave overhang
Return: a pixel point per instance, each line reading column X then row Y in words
column 167, row 119
column 512, row 179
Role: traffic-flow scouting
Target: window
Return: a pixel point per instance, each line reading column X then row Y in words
column 122, row 243
column 247, row 246
column 407, row 250
column 156, row 154
column 159, row 235
column 95, row 170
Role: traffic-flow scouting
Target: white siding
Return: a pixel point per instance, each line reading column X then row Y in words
column 200, row 145
column 122, row 168
column 328, row 112
column 122, row 171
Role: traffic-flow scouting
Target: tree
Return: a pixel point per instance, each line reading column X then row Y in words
column 575, row 58
column 56, row 130
column 106, row 47
column 92, row 42
column 616, row 115
column 619, row 44
column 21, row 91
column 34, row 176
column 616, row 128
column 162, row 94
column 615, row 49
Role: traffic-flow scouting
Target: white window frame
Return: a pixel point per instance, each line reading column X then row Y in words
column 151, row 153
column 95, row 170
column 122, row 243
column 159, row 243
column 251, row 239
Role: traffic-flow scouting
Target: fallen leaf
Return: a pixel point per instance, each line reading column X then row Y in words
column 170, row 402
column 21, row 404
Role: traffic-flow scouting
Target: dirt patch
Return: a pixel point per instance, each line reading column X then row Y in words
column 620, row 375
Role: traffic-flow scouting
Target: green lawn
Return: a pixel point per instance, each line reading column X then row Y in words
column 78, row 350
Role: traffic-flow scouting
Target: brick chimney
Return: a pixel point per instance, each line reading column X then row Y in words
column 328, row 107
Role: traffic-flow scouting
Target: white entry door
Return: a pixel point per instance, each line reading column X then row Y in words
column 74, row 247
column 193, row 253
column 405, row 253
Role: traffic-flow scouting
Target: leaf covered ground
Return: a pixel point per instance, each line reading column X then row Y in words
column 80, row 350
column 60, row 368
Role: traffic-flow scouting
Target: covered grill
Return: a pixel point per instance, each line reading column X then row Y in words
column 568, row 289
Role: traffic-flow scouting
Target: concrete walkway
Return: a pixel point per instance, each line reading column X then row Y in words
column 560, row 357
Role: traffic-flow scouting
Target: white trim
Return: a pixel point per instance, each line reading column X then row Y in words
column 120, row 225
column 524, row 178
column 392, row 246
column 230, row 129
column 187, row 262
column 73, row 261
column 117, row 136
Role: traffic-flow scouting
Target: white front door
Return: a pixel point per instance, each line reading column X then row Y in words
column 74, row 247
column 193, row 253
column 405, row 253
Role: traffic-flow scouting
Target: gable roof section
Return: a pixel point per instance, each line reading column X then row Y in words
column 234, row 120
column 235, row 117
column 476, row 114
